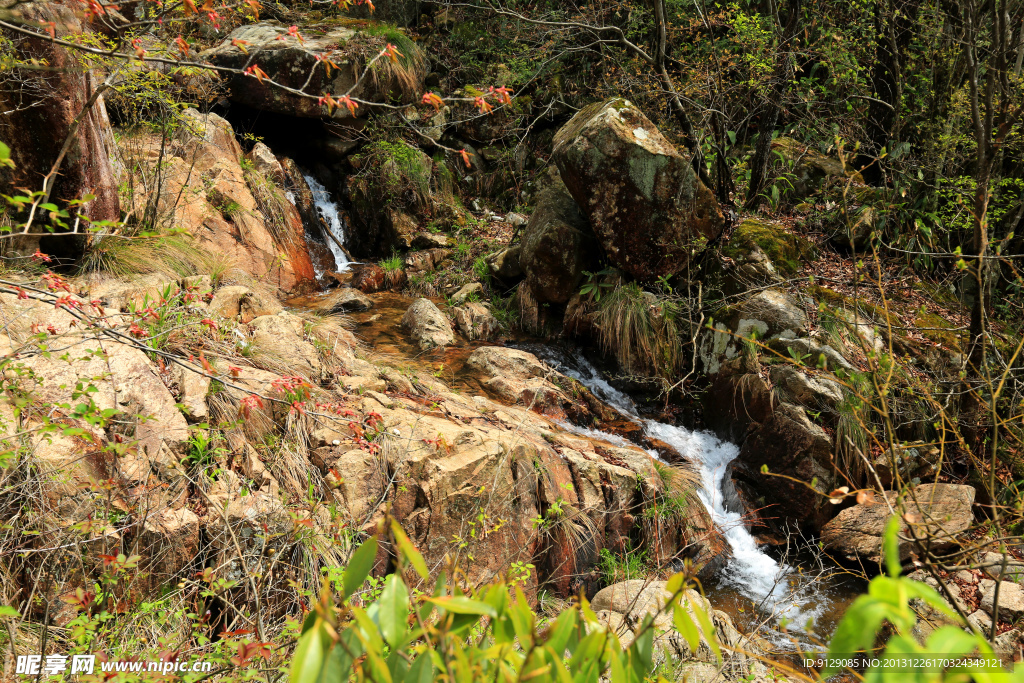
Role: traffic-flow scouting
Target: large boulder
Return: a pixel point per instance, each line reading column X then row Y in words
column 232, row 213
column 939, row 511
column 555, row 246
column 475, row 320
column 811, row 391
column 38, row 117
column 644, row 201
column 427, row 325
column 300, row 65
column 789, row 444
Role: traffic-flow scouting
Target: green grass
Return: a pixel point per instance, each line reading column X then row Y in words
column 644, row 331
column 615, row 568
column 392, row 263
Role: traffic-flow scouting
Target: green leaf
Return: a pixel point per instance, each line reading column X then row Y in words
column 684, row 624
column 892, row 546
column 709, row 630
column 359, row 566
column 394, row 610
column 5, row 610
column 407, row 549
column 421, row 671
column 310, row 654
column 460, row 604
column 341, row 657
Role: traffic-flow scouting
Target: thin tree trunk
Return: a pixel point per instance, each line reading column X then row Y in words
column 772, row 109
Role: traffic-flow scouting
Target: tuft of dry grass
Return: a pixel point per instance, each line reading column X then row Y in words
column 642, row 330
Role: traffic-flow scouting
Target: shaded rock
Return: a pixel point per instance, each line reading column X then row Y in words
column 768, row 245
column 266, row 163
column 299, row 65
column 642, row 198
column 811, row 168
column 910, row 460
column 426, row 260
column 345, row 300
column 809, row 391
column 427, row 325
column 369, row 278
column 737, row 402
column 505, row 264
column 941, row 511
column 812, row 351
column 992, row 564
column 475, row 321
column 168, row 543
column 788, row 443
column 555, row 246
column 39, row 115
column 1011, row 599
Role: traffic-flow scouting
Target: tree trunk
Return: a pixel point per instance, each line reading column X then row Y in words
column 772, row 108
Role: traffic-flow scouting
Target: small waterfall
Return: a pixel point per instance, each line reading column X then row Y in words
column 778, row 589
column 328, row 210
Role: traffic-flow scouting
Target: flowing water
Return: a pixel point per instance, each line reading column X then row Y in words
column 753, row 587
column 332, row 220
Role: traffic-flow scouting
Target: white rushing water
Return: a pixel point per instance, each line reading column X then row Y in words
column 332, row 219
column 777, row 589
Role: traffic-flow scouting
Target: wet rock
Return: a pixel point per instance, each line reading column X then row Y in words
column 427, row 325
column 475, row 321
column 266, row 163
column 556, row 246
column 942, row 511
column 642, row 198
column 788, row 443
column 298, row 65
column 369, row 278
column 809, row 391
column 1011, row 599
column 346, row 300
column 474, row 290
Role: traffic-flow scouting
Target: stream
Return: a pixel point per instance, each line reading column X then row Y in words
column 800, row 599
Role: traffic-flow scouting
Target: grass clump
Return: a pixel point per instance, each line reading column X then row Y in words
column 642, row 330
column 172, row 255
column 397, row 173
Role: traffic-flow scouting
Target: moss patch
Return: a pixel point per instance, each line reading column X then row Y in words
column 939, row 330
column 785, row 249
column 837, row 300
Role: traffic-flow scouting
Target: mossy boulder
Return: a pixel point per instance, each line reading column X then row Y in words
column 785, row 250
column 644, row 202
column 300, row 65
column 811, row 169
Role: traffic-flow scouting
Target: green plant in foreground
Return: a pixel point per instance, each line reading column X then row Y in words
column 490, row 634
column 888, row 601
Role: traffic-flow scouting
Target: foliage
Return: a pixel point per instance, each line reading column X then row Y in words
column 644, row 331
column 487, row 634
